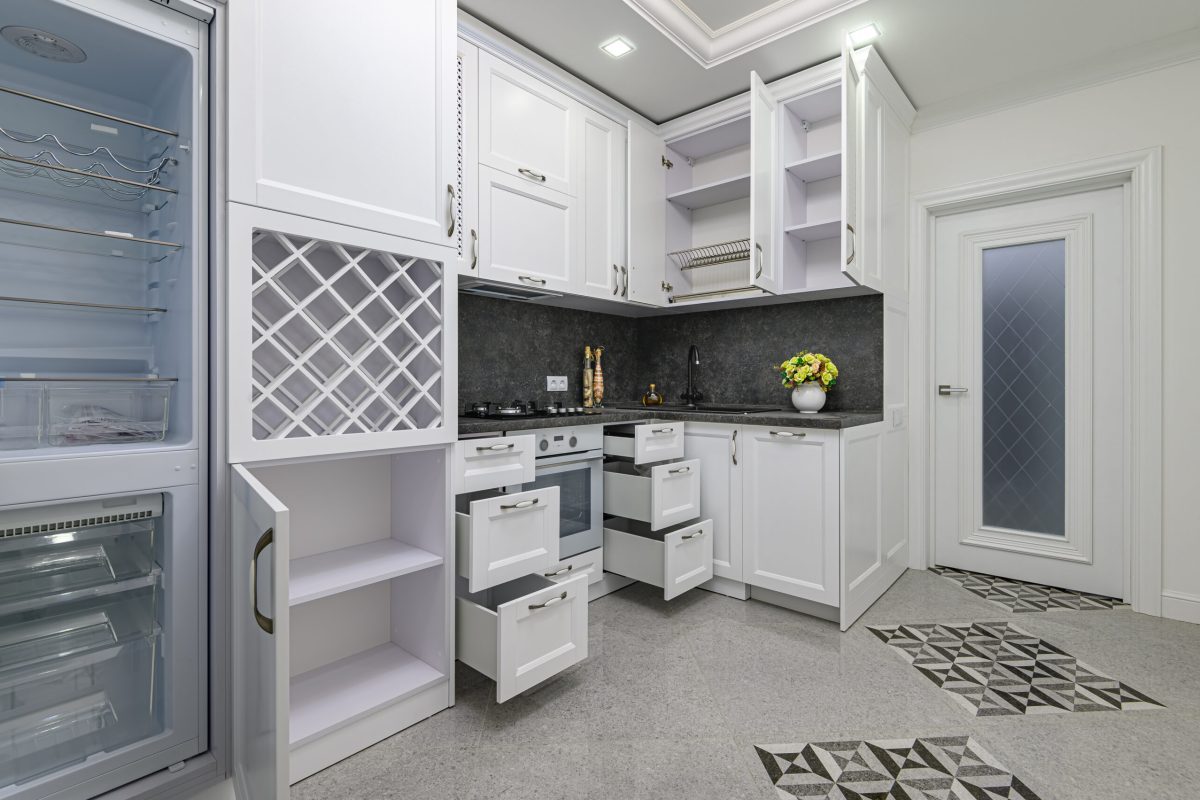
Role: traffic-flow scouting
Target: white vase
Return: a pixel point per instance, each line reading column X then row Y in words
column 808, row 398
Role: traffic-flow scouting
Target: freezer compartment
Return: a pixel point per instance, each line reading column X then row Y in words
column 20, row 416
column 106, row 413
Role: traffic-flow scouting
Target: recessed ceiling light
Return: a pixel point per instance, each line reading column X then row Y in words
column 865, row 35
column 617, row 47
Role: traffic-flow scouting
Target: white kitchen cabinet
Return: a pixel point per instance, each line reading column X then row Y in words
column 529, row 235
column 791, row 507
column 465, row 233
column 675, row 560
column 504, row 536
column 340, row 340
column 718, row 449
column 646, row 442
column 523, row 632
column 493, row 462
column 604, row 272
column 359, row 134
column 527, row 128
column 341, row 613
column 763, row 266
column 646, row 225
column 661, row 496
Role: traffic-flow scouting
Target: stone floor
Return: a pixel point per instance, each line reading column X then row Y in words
column 674, row 696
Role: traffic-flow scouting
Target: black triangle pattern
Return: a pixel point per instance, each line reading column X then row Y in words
column 932, row 768
column 997, row 669
column 1022, row 597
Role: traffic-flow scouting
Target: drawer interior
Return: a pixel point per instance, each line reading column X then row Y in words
column 493, row 598
column 629, row 468
column 638, row 528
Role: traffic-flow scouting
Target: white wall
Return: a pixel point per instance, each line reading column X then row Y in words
column 1157, row 108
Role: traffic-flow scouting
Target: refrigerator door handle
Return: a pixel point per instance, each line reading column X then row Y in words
column 264, row 622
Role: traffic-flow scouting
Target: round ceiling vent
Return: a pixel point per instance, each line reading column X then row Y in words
column 41, row 43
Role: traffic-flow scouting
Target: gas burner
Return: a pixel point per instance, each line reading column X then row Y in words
column 521, row 409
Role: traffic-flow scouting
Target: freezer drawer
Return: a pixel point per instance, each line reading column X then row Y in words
column 500, row 537
column 675, row 561
column 662, row 495
column 523, row 632
column 645, row 443
column 492, row 463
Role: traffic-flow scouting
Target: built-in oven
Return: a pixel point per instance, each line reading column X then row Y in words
column 573, row 460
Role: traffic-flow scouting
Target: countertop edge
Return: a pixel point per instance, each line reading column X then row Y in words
column 837, row 420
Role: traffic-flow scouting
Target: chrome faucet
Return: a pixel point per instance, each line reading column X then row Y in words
column 692, row 396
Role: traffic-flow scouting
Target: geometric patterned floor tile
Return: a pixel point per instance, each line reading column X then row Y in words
column 997, row 669
column 934, row 768
column 1021, row 596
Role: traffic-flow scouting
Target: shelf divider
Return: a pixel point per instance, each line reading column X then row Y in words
column 325, row 574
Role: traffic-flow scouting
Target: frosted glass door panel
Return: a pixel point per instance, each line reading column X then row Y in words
column 1024, row 388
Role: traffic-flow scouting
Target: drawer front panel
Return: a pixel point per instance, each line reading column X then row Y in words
column 508, row 537
column 674, row 493
column 590, row 564
column 481, row 464
column 659, row 441
column 687, row 558
column 540, row 635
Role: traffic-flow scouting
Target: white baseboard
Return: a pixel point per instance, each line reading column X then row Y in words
column 1181, row 606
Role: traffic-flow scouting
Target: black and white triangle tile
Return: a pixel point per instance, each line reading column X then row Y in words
column 933, row 768
column 1024, row 597
column 997, row 669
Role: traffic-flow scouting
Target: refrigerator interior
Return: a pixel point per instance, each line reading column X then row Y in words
column 100, row 211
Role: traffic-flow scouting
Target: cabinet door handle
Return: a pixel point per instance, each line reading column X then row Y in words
column 758, row 248
column 695, row 535
column 451, row 197
column 625, row 281
column 264, row 541
column 474, row 249
column 679, row 470
column 788, row 434
column 733, row 448
column 496, row 447
column 522, row 504
column 616, row 279
column 527, row 279
column 850, row 257
column 549, row 602
column 534, row 176
column 562, row 571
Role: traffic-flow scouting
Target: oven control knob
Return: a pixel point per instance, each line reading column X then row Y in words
column 574, row 441
column 544, row 444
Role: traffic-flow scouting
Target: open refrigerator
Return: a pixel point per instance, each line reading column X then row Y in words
column 103, row 392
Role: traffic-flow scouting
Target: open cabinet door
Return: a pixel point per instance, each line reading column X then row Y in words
column 851, row 125
column 763, row 258
column 260, row 640
column 647, row 218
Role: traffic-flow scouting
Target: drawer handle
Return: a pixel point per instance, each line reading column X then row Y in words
column 496, row 447
column 659, row 431
column 535, row 281
column 528, row 173
column 679, row 470
column 562, row 571
column 788, row 434
column 695, row 535
column 522, row 504
column 549, row 602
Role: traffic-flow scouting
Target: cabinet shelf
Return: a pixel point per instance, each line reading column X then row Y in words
column 337, row 694
column 77, row 240
column 715, row 193
column 815, row 231
column 817, row 168
column 325, row 574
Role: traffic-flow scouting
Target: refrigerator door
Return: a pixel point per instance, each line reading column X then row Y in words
column 260, row 640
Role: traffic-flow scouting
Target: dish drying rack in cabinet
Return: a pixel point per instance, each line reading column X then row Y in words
column 713, row 255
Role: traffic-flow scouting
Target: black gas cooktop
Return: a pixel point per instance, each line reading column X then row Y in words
column 524, row 409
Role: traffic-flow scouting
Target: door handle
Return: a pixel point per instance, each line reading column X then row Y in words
column 616, row 279
column 264, row 541
column 527, row 279
column 551, row 601
column 758, row 247
column 850, row 257
column 733, row 448
column 788, row 434
column 474, row 249
column 625, row 281
column 451, row 197
column 534, row 176
column 947, row 389
column 495, row 447
column 522, row 504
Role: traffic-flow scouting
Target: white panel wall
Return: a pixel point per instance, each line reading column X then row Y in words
column 1156, row 108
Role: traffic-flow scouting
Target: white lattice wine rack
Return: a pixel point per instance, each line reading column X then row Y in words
column 344, row 340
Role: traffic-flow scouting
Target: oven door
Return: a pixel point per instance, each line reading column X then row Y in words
column 579, row 478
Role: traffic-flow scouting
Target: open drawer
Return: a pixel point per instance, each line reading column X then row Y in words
column 491, row 463
column 662, row 495
column 499, row 537
column 645, row 442
column 523, row 632
column 589, row 564
column 675, row 560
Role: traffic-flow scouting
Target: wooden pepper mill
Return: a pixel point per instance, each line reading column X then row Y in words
column 587, row 376
column 598, row 379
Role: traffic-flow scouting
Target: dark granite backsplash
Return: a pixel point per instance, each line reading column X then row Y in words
column 506, row 350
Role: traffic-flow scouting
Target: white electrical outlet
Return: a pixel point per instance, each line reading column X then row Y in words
column 556, row 383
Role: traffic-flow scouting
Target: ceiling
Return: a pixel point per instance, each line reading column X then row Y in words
column 940, row 51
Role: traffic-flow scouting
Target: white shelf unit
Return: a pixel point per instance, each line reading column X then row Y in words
column 363, row 641
column 810, row 195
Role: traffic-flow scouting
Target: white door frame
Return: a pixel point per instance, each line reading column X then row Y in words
column 1140, row 172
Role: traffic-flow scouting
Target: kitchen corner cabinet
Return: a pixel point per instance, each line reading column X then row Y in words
column 358, row 135
column 341, row 610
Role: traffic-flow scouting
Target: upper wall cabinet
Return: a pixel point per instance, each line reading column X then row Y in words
column 346, row 114
column 604, row 272
column 527, row 128
column 528, row 235
column 465, row 233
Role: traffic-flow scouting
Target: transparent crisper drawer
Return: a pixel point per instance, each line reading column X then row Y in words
column 41, row 570
column 20, row 416
column 106, row 413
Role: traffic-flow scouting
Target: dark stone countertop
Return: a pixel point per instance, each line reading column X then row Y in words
column 778, row 417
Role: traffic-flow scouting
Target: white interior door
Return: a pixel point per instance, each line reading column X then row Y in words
column 646, row 216
column 763, row 258
column 1031, row 370
column 260, row 640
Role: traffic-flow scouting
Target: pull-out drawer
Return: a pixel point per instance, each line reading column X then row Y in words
column 590, row 564
column 662, row 495
column 523, row 632
column 481, row 464
column 499, row 537
column 645, row 443
column 675, row 560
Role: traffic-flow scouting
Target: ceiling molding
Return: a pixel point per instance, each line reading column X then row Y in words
column 711, row 47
